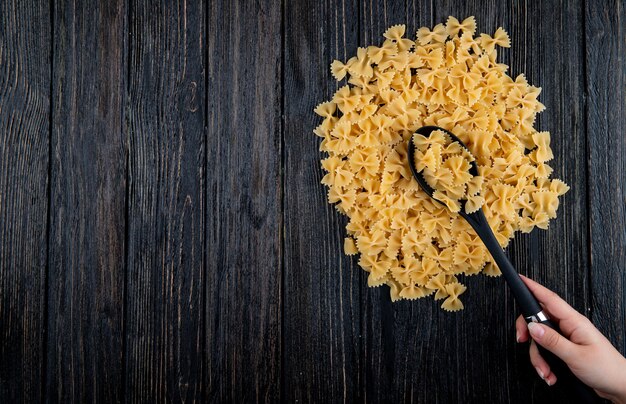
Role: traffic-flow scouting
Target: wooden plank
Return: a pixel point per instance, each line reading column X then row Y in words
column 547, row 48
column 545, row 38
column 606, row 124
column 404, row 362
column 24, row 149
column 322, row 302
column 166, row 121
column 244, row 223
column 88, row 180
column 483, row 329
column 415, row 351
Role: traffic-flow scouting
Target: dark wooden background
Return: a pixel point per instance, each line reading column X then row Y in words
column 164, row 235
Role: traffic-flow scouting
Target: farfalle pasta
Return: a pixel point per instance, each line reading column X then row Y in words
column 447, row 77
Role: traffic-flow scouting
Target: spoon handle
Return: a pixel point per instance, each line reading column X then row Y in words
column 528, row 304
column 571, row 386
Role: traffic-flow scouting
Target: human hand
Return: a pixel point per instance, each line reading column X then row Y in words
column 584, row 349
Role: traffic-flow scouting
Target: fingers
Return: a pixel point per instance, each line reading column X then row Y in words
column 568, row 319
column 541, row 366
column 553, row 341
column 521, row 329
column 552, row 302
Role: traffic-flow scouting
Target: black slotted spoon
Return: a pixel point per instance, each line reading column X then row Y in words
column 571, row 386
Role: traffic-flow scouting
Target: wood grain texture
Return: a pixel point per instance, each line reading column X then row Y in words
column 244, row 223
column 606, row 124
column 24, row 142
column 322, row 353
column 87, row 213
column 166, row 121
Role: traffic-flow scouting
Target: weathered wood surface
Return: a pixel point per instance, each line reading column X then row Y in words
column 322, row 329
column 164, row 236
column 85, row 333
column 24, row 153
column 166, row 178
column 606, row 147
column 244, row 188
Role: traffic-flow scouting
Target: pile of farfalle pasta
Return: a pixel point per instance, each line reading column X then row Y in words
column 447, row 77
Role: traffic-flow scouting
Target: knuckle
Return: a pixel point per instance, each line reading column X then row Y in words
column 552, row 340
column 552, row 295
column 585, row 322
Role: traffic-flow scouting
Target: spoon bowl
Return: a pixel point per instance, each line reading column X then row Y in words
column 426, row 131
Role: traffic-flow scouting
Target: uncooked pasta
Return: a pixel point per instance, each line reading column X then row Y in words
column 447, row 77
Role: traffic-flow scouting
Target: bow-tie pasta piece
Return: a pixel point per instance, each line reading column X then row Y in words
column 453, row 26
column 448, row 77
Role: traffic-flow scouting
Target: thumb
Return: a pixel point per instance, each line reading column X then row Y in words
column 552, row 341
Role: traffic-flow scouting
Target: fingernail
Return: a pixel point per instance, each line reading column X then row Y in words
column 548, row 382
column 540, row 373
column 517, row 336
column 536, row 330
